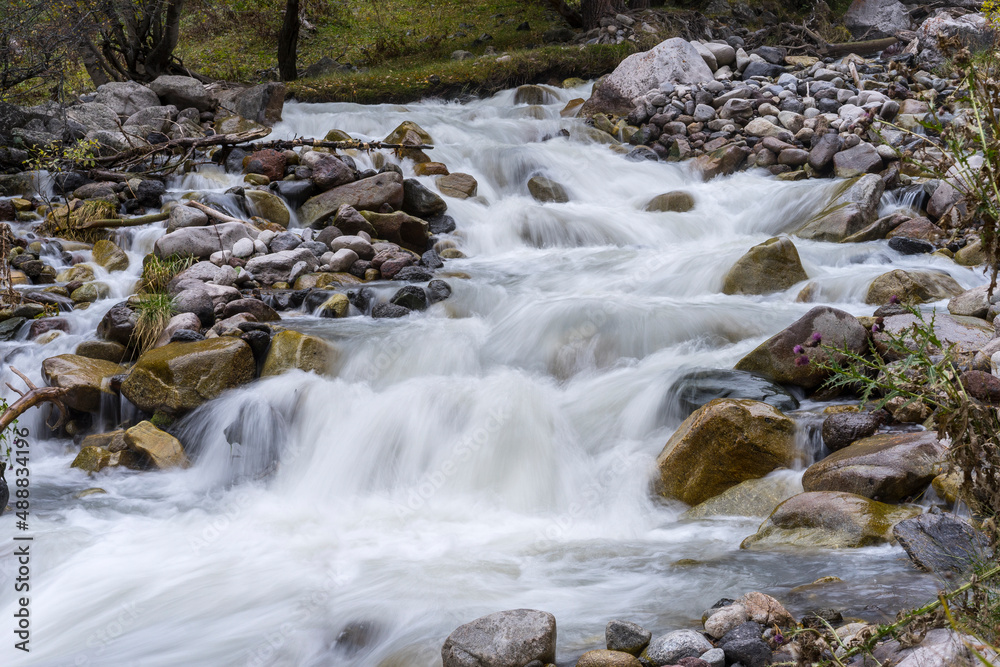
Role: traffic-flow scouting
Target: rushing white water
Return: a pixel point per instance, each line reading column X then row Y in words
column 494, row 452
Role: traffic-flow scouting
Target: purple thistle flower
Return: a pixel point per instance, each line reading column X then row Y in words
column 798, row 349
column 893, row 299
column 817, row 337
column 876, row 328
column 802, row 361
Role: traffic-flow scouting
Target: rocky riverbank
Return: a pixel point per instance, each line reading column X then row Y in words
column 312, row 232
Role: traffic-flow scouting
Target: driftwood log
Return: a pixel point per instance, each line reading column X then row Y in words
column 31, row 398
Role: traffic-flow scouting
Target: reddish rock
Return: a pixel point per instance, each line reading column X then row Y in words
column 47, row 324
column 917, row 228
column 983, row 386
column 269, row 162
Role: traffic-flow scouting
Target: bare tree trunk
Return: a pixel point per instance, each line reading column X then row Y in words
column 594, row 10
column 165, row 36
column 638, row 4
column 288, row 40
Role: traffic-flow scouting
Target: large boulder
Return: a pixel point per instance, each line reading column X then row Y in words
column 126, row 97
column 182, row 91
column 269, row 206
column 721, row 444
column 178, row 377
column 201, row 242
column 85, row 379
column 972, row 30
column 93, row 116
column 911, row 287
column 291, row 349
column 159, row 447
column 674, row 647
column 771, row 266
column 674, row 61
column 367, row 194
column 889, row 467
column 829, row 519
column 873, row 19
column 852, row 207
column 261, row 104
column 503, row 639
column 110, row 256
column 941, row 647
column 777, row 359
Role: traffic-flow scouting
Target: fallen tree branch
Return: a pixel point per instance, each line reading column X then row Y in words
column 860, row 48
column 339, row 145
column 140, row 153
column 114, row 223
column 212, row 213
column 33, row 397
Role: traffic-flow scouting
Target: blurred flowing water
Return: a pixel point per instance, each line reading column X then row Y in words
column 493, row 452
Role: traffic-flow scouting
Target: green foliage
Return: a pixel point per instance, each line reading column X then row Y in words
column 57, row 157
column 153, row 311
column 915, row 366
column 157, row 273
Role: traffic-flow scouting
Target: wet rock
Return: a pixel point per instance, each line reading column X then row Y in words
column 421, row 202
column 772, row 266
column 852, row 207
column 626, row 636
column 47, row 324
column 674, row 61
column 337, row 305
column 260, row 310
column 723, row 443
column 362, row 248
column 829, row 519
column 367, row 194
column 291, row 349
column 606, row 658
column 388, row 310
column 967, row 333
column 731, row 619
column 908, row 246
column 917, row 228
column 186, row 216
column 696, row 388
column 268, row 206
column 748, row 652
column 912, row 287
column 438, row 290
column 670, row 648
column 842, row 428
column 178, row 377
column 102, row 349
column 414, row 274
column 777, row 360
column 721, row 162
column 150, row 193
column 181, row 321
column 457, row 185
column 92, row 459
column 163, row 450
column 546, row 190
column 399, row 228
column 410, row 297
column 201, row 242
column 90, row 292
column 503, row 639
column 677, row 201
column 9, row 328
column 85, row 379
column 888, row 467
column 118, row 325
column 752, row 498
column 110, row 256
column 278, row 266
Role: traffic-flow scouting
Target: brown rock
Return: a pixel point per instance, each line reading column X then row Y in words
column 606, row 658
column 982, row 386
column 82, row 377
column 269, row 162
column 917, row 228
column 162, row 449
column 842, row 428
column 367, row 194
column 458, row 185
column 721, row 444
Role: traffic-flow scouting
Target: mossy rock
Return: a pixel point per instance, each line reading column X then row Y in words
column 92, row 459
column 753, row 498
column 772, row 266
column 82, row 272
column 337, row 305
column 162, row 449
column 829, row 520
column 337, row 135
column 546, row 190
column 971, row 255
column 178, row 377
column 291, row 349
column 399, row 135
column 233, row 123
column 110, row 256
column 912, row 287
column 85, row 379
column 89, row 292
column 676, row 201
column 269, row 206
column 722, row 443
column 322, row 280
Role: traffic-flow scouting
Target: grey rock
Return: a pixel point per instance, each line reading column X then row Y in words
column 156, row 118
column 94, row 116
column 280, row 266
column 862, row 159
column 696, row 388
column 421, row 202
column 908, row 246
column 504, row 639
column 843, row 428
column 410, row 297
column 285, row 241
column 748, row 652
column 201, row 242
column 182, row 91
column 626, row 636
column 415, row 274
column 942, row 543
column 670, row 648
column 438, row 290
column 748, row 630
column 126, row 97
column 874, row 19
